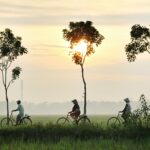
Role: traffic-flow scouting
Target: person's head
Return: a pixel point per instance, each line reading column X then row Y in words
column 127, row 100
column 75, row 101
column 18, row 102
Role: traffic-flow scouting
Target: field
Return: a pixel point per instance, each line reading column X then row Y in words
column 46, row 135
column 102, row 119
column 69, row 144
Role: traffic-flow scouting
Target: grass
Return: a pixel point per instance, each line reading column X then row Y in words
column 55, row 132
column 70, row 144
column 44, row 119
column 46, row 135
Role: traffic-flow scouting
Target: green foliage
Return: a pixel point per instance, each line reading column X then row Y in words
column 16, row 72
column 140, row 36
column 141, row 116
column 82, row 31
column 10, row 46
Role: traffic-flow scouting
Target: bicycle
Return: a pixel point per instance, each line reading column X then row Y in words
column 115, row 121
column 10, row 121
column 83, row 119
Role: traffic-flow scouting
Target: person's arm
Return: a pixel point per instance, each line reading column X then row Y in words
column 71, row 110
column 125, row 108
column 15, row 109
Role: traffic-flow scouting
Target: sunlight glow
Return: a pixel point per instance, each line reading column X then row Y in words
column 81, row 47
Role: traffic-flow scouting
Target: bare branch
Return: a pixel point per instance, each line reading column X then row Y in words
column 5, row 77
column 9, row 83
column 9, row 64
column 3, row 80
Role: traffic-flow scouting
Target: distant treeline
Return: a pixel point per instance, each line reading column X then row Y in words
column 45, row 108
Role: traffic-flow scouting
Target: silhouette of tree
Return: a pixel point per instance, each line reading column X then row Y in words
column 82, row 32
column 10, row 49
column 140, row 37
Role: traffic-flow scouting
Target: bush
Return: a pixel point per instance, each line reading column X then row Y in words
column 141, row 116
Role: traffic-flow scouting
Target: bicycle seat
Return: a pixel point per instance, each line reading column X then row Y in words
column 83, row 115
column 26, row 115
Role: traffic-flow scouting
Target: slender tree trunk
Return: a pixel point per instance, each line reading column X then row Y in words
column 4, row 80
column 82, row 71
column 7, row 101
column 6, row 92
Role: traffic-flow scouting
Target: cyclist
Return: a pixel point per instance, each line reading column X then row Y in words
column 75, row 110
column 126, row 112
column 21, row 112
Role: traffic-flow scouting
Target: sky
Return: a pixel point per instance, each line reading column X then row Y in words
column 48, row 72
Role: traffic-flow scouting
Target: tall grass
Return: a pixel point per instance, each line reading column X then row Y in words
column 56, row 132
column 96, row 136
column 78, row 144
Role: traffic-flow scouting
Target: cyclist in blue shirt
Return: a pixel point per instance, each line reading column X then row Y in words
column 21, row 111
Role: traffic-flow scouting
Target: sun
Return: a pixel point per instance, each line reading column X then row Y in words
column 81, row 47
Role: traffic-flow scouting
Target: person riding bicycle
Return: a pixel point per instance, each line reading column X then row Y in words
column 21, row 112
column 75, row 110
column 126, row 112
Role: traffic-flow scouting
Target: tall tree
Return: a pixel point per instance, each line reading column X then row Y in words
column 140, row 42
column 10, row 49
column 82, row 37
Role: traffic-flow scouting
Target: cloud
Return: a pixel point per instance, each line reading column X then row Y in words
column 122, row 19
column 46, row 50
column 62, row 11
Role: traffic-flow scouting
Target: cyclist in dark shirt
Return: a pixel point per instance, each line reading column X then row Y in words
column 75, row 110
column 126, row 112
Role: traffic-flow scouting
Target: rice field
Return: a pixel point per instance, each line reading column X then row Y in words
column 69, row 144
column 44, row 119
column 101, row 119
column 46, row 135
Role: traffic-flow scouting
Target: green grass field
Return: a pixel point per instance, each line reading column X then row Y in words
column 101, row 119
column 46, row 135
column 52, row 118
column 68, row 144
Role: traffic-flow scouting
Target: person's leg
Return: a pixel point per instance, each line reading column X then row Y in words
column 124, row 117
column 77, row 114
column 18, row 119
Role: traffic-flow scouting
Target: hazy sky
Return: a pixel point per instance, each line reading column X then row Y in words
column 48, row 71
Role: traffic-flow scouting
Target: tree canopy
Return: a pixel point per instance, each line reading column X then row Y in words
column 10, row 46
column 140, row 43
column 82, row 31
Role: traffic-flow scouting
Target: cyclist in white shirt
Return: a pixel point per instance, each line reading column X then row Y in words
column 21, row 111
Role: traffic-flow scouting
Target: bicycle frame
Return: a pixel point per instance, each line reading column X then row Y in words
column 14, row 120
column 11, row 117
column 119, row 117
column 70, row 119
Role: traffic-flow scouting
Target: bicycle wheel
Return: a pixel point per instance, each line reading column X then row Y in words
column 62, row 121
column 6, row 122
column 113, row 122
column 84, row 120
column 26, row 121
